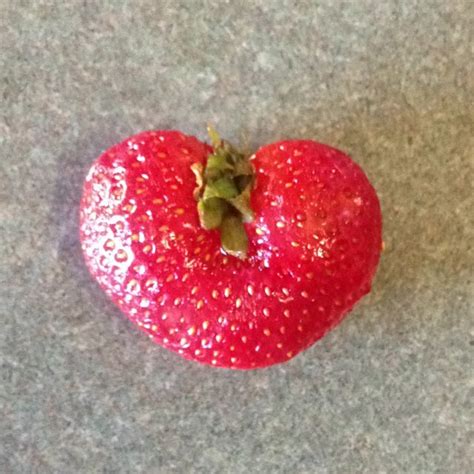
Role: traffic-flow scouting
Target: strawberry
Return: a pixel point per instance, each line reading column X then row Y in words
column 275, row 252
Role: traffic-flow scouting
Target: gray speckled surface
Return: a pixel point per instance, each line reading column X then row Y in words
column 388, row 81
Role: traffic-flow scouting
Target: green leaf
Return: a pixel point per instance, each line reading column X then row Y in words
column 242, row 182
column 217, row 167
column 214, row 136
column 222, row 188
column 218, row 161
column 243, row 167
column 211, row 212
column 223, row 194
column 242, row 204
column 233, row 237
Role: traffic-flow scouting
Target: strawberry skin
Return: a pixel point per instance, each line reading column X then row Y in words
column 314, row 246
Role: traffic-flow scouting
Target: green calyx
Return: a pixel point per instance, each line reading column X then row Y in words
column 223, row 192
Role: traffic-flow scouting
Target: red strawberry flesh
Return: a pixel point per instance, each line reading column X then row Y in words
column 313, row 248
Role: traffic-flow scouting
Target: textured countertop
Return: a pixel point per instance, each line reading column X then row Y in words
column 390, row 82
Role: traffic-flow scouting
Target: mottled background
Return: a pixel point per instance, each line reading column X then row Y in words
column 391, row 82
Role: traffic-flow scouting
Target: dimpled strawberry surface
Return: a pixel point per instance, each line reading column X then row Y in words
column 313, row 248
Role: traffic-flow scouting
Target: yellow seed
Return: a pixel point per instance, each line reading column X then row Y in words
column 215, row 294
column 266, row 332
column 279, row 345
column 280, row 224
column 191, row 330
column 227, row 292
column 304, row 294
column 194, row 290
column 266, row 311
column 233, row 360
column 151, row 283
column 295, row 244
column 160, row 259
column 300, row 328
column 244, row 339
column 282, row 329
column 289, row 354
column 259, row 231
column 197, row 352
column 157, row 201
column 169, row 278
column 238, row 303
column 205, row 324
column 121, row 255
column 200, row 304
column 232, row 348
column 250, row 290
column 179, row 211
column 154, row 328
column 286, row 313
column 219, row 338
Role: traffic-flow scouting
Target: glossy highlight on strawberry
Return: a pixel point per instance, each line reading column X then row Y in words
column 313, row 248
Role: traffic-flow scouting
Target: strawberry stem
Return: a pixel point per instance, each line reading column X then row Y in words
column 223, row 188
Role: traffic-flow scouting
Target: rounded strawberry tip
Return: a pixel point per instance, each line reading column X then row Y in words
column 223, row 188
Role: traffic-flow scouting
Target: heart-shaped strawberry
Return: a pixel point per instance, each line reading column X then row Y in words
column 275, row 252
